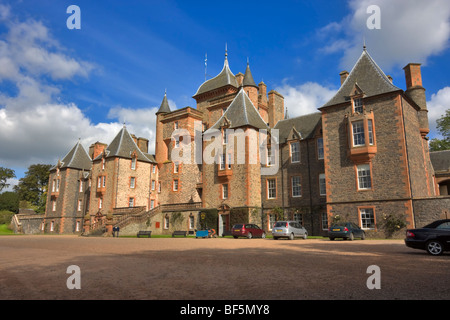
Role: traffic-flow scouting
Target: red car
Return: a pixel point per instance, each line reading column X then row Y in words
column 247, row 230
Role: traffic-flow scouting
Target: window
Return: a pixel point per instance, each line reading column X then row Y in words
column 159, row 187
column 153, row 184
column 104, row 181
column 175, row 125
column 177, row 142
column 357, row 105
column 191, row 222
column 166, row 222
column 271, row 188
column 298, row 217
column 176, row 167
column 54, row 186
column 324, row 221
column 77, row 226
column 99, row 182
column 224, row 191
column 103, row 163
column 322, row 185
column 319, row 148
column 358, row 133
column 175, row 185
column 133, row 163
column 222, row 161
column 296, row 187
column 100, row 203
column 80, row 202
column 154, row 168
column 367, row 218
column 152, row 204
column 132, row 182
column 52, row 226
column 81, row 186
column 229, row 161
column 370, row 131
column 272, row 220
column 270, row 156
column 131, row 202
column 53, row 205
column 364, row 178
column 225, row 136
column 295, row 152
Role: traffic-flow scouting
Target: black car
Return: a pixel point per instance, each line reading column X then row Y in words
column 435, row 237
column 346, row 230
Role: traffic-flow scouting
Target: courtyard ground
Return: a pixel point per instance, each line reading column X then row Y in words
column 35, row 267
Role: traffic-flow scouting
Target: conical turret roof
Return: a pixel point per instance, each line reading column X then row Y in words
column 164, row 108
column 248, row 78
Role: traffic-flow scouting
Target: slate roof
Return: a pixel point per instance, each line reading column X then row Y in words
column 123, row 146
column 304, row 125
column 241, row 112
column 77, row 158
column 369, row 77
column 440, row 160
column 248, row 78
column 224, row 78
column 164, row 107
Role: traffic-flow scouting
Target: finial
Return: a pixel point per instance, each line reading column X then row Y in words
column 248, row 61
column 364, row 43
column 226, row 50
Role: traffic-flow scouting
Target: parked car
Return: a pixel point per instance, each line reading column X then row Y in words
column 247, row 230
column 434, row 237
column 346, row 230
column 288, row 229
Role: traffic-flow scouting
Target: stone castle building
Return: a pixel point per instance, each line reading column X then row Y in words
column 362, row 156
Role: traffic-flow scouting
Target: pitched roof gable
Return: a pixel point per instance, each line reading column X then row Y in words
column 76, row 158
column 241, row 112
column 367, row 76
column 123, row 146
column 303, row 125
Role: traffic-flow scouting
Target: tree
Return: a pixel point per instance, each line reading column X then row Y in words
column 443, row 127
column 5, row 174
column 33, row 186
column 9, row 201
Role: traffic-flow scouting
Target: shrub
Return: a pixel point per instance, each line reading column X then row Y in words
column 6, row 216
column 392, row 223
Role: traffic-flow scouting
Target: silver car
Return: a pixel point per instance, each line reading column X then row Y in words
column 288, row 229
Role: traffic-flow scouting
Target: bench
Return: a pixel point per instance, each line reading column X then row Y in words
column 179, row 233
column 226, row 233
column 144, row 233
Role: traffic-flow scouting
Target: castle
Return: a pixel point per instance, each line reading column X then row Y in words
column 238, row 157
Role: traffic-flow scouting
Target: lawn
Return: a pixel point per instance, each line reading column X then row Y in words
column 4, row 229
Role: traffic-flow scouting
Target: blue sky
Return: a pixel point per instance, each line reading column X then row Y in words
column 58, row 85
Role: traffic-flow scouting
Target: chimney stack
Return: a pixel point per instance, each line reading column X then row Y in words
column 344, row 75
column 416, row 92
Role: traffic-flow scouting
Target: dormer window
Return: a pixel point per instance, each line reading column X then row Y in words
column 358, row 105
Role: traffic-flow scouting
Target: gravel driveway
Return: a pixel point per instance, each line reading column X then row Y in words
column 35, row 267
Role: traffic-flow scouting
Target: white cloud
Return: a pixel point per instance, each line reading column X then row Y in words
column 411, row 31
column 36, row 126
column 305, row 98
column 437, row 105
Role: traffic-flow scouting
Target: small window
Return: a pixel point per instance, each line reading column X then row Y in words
column 364, row 177
column 80, row 205
column 370, row 131
column 295, row 152
column 132, row 182
column 222, row 161
column 154, row 168
column 81, row 186
column 175, row 185
column 153, row 184
column 229, row 161
column 175, row 125
column 358, row 133
column 224, row 191
column 296, row 187
column 319, row 148
column 100, row 203
column 225, row 136
column 191, row 222
column 133, row 163
column 176, row 167
column 152, row 204
column 367, row 218
column 166, row 222
column 271, row 188
column 324, row 221
column 131, row 202
column 358, row 105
